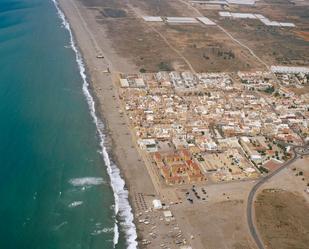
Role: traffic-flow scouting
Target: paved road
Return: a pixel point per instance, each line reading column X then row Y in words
column 250, row 201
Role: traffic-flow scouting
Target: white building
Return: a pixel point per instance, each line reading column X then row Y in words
column 286, row 69
column 149, row 145
column 157, row 204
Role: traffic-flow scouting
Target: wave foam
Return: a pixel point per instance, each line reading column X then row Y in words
column 86, row 181
column 103, row 230
column 122, row 205
column 75, row 204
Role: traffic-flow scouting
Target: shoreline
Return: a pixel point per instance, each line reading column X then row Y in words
column 119, row 189
column 120, row 159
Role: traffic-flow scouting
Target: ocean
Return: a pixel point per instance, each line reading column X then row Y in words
column 58, row 187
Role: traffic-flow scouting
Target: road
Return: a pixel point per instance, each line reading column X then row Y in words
column 250, row 201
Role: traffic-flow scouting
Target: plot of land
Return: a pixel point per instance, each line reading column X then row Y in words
column 282, row 219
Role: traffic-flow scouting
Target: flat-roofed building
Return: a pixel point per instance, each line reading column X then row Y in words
column 287, row 24
column 242, row 2
column 286, row 69
column 224, row 2
column 139, row 82
column 274, row 23
column 205, row 21
column 259, row 16
column 188, row 20
column 149, row 145
column 225, row 14
column 177, row 167
column 124, row 83
column 243, row 15
column 213, row 5
column 152, row 19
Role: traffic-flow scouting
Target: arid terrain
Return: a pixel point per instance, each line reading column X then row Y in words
column 282, row 209
column 273, row 44
column 205, row 48
column 282, row 218
column 173, row 46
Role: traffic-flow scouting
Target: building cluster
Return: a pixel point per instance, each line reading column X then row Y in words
column 260, row 80
column 198, row 127
column 298, row 80
column 218, row 4
column 293, row 112
column 259, row 17
column 179, row 20
column 291, row 78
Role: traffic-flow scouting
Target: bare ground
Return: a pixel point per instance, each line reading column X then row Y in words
column 274, row 45
column 282, row 219
column 159, row 46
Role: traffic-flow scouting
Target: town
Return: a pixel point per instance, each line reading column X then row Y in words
column 214, row 127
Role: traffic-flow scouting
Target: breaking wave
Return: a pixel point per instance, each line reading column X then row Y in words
column 86, row 181
column 122, row 208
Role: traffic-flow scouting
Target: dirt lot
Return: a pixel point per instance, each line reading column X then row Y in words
column 219, row 221
column 159, row 46
column 208, row 49
column 218, row 225
column 282, row 219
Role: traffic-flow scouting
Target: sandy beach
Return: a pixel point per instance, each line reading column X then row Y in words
column 119, row 143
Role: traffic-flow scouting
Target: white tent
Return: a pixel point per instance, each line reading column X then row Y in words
column 157, row 204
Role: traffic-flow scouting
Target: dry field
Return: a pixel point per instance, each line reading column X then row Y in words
column 217, row 225
column 274, row 45
column 209, row 49
column 282, row 215
column 282, row 219
column 158, row 46
column 131, row 38
column 219, row 221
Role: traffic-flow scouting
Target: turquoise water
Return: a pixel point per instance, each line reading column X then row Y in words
column 54, row 189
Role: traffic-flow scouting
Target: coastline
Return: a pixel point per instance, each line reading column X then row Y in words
column 122, row 159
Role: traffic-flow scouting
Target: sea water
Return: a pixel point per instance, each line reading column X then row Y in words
column 58, row 188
